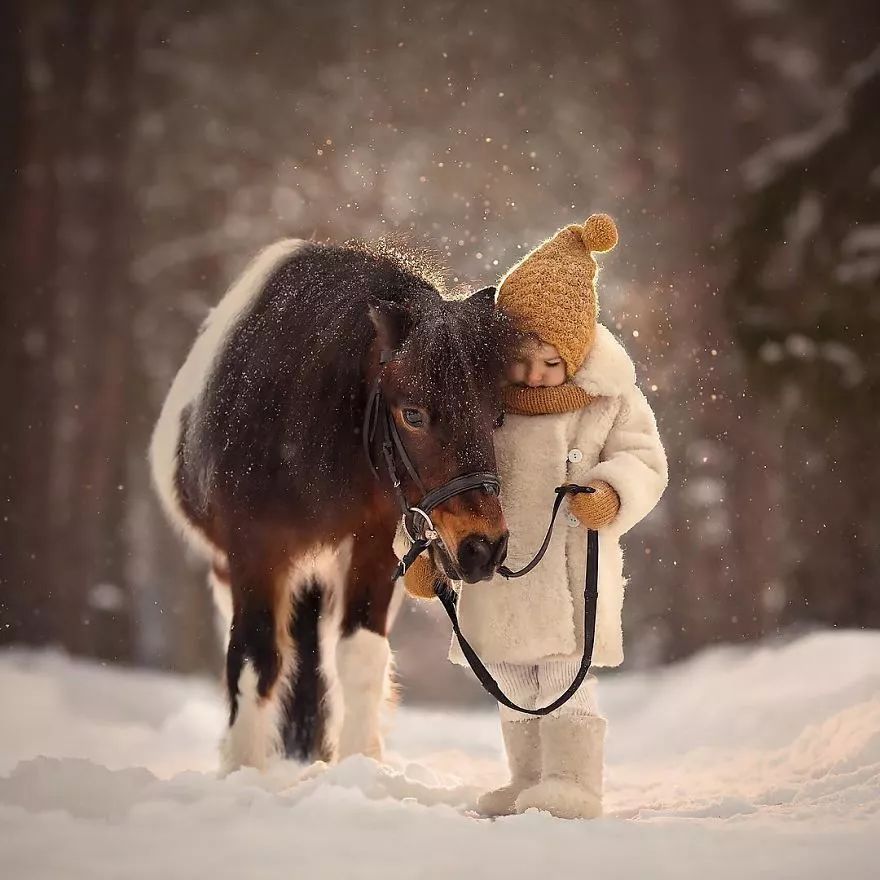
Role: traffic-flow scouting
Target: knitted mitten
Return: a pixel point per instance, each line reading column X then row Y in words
column 523, row 745
column 572, row 757
column 420, row 578
column 595, row 509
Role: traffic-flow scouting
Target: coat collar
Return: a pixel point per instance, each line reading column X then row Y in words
column 608, row 370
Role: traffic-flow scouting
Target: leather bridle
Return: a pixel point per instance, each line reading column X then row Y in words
column 416, row 518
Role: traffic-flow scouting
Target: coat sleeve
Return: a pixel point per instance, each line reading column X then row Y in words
column 633, row 461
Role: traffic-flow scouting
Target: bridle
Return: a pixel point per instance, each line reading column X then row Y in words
column 416, row 518
column 422, row 534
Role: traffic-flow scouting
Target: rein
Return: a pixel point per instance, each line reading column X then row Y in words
column 449, row 599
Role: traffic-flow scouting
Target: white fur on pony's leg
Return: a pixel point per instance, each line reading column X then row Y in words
column 332, row 707
column 254, row 738
column 363, row 663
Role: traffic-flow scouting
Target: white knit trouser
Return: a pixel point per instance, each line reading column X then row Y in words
column 533, row 686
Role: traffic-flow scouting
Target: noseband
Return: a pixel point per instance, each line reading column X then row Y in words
column 416, row 518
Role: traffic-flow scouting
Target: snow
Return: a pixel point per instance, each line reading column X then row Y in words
column 801, row 347
column 861, row 250
column 765, row 166
column 758, row 762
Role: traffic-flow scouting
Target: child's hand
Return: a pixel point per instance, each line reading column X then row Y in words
column 595, row 509
column 420, row 578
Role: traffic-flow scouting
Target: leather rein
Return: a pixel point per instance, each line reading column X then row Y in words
column 422, row 534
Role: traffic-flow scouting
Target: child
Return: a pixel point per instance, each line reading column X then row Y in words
column 574, row 415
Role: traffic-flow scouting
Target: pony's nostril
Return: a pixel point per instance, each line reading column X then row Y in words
column 479, row 557
column 475, row 555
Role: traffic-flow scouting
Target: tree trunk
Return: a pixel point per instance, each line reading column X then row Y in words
column 70, row 330
column 27, row 388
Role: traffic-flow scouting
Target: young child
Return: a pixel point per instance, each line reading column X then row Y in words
column 574, row 415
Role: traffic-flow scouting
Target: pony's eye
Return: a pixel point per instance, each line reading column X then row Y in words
column 414, row 418
column 499, row 421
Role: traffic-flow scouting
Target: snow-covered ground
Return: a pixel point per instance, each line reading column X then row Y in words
column 739, row 763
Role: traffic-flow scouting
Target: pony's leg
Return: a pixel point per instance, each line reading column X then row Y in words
column 364, row 661
column 313, row 706
column 363, row 655
column 258, row 661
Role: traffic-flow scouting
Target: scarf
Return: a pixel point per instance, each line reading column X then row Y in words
column 524, row 401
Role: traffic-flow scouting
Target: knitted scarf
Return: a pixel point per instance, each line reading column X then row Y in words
column 523, row 401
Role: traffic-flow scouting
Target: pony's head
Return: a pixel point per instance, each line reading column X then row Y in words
column 443, row 390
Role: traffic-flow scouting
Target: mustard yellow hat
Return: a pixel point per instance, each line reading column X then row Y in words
column 552, row 291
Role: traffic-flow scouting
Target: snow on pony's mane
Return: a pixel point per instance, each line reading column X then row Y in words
column 422, row 262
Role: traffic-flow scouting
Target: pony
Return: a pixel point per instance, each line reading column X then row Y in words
column 258, row 457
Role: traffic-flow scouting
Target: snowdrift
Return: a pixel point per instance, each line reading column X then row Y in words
column 760, row 762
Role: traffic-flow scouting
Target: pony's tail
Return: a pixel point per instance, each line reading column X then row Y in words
column 192, row 377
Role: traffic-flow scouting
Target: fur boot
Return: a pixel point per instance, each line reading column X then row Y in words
column 572, row 757
column 523, row 745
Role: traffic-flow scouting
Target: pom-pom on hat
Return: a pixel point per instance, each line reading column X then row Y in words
column 552, row 291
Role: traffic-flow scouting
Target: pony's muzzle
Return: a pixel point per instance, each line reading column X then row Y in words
column 479, row 556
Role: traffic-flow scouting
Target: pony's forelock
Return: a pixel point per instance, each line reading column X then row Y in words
column 456, row 353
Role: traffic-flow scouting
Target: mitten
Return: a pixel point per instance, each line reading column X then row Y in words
column 595, row 509
column 420, row 578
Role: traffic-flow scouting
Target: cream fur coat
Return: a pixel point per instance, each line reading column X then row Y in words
column 540, row 616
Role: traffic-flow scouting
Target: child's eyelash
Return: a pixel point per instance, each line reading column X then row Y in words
column 552, row 363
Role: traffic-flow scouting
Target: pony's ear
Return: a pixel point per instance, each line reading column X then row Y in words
column 392, row 322
column 484, row 299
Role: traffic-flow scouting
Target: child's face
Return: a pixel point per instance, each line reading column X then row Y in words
column 537, row 364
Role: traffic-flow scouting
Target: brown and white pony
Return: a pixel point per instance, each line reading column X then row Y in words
column 258, row 458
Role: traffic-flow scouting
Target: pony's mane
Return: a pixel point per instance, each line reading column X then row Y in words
column 282, row 410
column 410, row 258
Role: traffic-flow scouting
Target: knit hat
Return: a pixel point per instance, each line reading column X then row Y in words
column 552, row 291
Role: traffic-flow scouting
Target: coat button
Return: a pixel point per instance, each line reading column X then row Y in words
column 575, row 455
column 571, row 519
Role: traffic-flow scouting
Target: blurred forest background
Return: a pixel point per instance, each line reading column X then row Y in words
column 149, row 150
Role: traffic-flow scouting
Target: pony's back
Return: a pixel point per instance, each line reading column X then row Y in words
column 188, row 384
